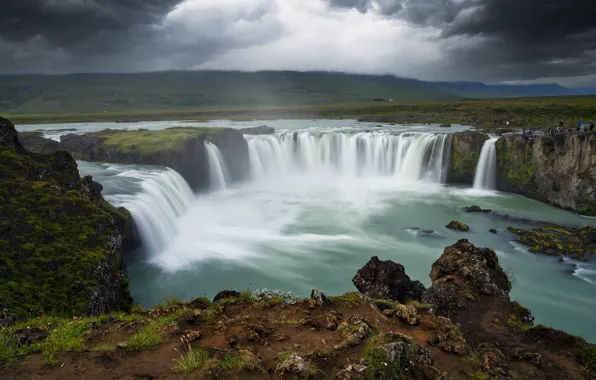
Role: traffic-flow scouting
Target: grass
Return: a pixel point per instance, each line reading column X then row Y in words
column 147, row 337
column 104, row 347
column 352, row 297
column 480, row 376
column 518, row 314
column 194, row 359
column 235, row 362
column 588, row 358
column 283, row 355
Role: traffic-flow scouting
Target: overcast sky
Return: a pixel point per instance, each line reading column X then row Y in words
column 488, row 40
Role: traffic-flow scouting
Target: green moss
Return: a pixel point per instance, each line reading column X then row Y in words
column 53, row 237
column 588, row 358
column 151, row 142
column 556, row 240
column 378, row 368
column 458, row 226
column 465, row 152
column 520, row 317
column 351, row 297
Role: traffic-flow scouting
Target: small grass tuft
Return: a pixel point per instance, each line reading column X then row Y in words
column 235, row 362
column 146, row 338
column 588, row 358
column 104, row 347
column 480, row 376
column 194, row 359
column 283, row 355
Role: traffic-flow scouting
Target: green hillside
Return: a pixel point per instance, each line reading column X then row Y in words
column 183, row 90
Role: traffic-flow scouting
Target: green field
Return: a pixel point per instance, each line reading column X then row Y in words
column 520, row 112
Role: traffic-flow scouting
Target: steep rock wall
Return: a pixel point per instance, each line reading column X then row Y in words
column 60, row 249
column 465, row 152
column 559, row 170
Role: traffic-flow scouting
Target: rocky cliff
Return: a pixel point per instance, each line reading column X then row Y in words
column 465, row 152
column 182, row 149
column 60, row 248
column 559, row 170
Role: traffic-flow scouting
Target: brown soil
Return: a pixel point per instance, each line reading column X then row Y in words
column 270, row 329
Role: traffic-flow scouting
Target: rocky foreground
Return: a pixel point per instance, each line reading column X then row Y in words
column 463, row 327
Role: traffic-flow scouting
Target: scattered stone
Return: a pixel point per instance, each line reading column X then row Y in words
column 352, row 371
column 494, row 363
column 298, row 366
column 122, row 345
column 476, row 209
column 458, row 226
column 319, row 297
column 388, row 361
column 250, row 356
column 220, row 326
column 465, row 272
column 226, row 294
column 448, row 337
column 387, row 280
column 332, row 320
column 190, row 336
column 408, row 314
column 521, row 354
column 28, row 336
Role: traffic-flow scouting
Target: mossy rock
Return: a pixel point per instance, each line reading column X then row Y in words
column 61, row 252
column 465, row 152
column 458, row 226
column 577, row 243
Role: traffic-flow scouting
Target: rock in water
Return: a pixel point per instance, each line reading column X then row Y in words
column 476, row 209
column 458, row 226
column 465, row 272
column 387, row 280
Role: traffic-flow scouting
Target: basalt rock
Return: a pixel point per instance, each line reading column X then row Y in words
column 60, row 250
column 558, row 170
column 262, row 130
column 224, row 294
column 465, row 273
column 35, row 142
column 387, row 280
column 465, row 152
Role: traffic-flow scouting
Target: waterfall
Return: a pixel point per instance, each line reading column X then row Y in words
column 164, row 198
column 217, row 167
column 410, row 155
column 486, row 170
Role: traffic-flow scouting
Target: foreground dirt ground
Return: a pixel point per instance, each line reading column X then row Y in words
column 329, row 336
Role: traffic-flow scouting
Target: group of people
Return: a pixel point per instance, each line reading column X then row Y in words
column 581, row 127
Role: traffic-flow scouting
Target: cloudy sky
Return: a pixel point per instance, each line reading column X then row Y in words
column 488, row 40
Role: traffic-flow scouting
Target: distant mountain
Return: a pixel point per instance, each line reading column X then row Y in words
column 585, row 90
column 179, row 90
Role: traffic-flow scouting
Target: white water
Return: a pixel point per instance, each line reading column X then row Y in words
column 485, row 177
column 164, row 198
column 408, row 156
column 217, row 167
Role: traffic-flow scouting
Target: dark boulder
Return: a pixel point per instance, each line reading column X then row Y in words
column 476, row 209
column 387, row 280
column 226, row 294
column 464, row 273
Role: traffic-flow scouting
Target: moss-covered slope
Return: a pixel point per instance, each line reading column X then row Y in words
column 465, row 152
column 60, row 250
column 559, row 170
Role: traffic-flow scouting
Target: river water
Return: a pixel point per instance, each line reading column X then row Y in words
column 319, row 206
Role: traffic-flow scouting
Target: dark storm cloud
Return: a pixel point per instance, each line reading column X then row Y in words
column 67, row 22
column 63, row 35
column 514, row 39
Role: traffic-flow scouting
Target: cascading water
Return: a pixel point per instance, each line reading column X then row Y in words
column 217, row 167
column 411, row 156
column 485, row 177
column 164, row 198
